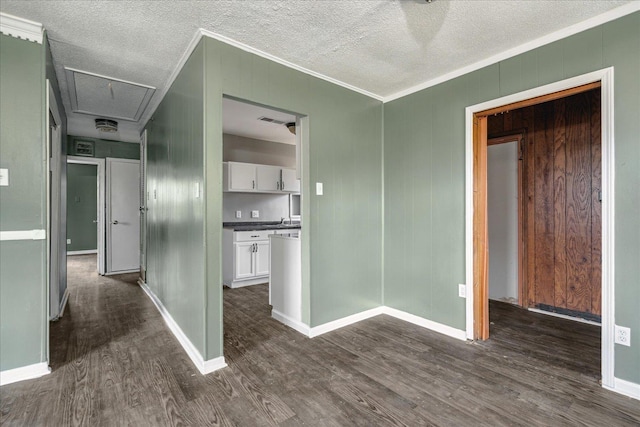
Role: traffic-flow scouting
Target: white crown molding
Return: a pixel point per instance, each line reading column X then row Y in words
column 204, row 366
column 24, row 373
column 286, row 63
column 534, row 44
column 21, row 28
column 156, row 100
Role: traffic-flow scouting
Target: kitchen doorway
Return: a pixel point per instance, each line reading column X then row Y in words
column 262, row 204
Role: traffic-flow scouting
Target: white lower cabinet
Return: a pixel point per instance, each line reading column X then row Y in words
column 245, row 257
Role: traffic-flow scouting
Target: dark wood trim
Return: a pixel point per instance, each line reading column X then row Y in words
column 540, row 99
column 480, row 230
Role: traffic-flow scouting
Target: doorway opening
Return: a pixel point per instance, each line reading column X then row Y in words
column 85, row 208
column 536, row 215
column 262, row 210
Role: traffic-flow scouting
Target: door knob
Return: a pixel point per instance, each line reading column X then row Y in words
column 115, row 222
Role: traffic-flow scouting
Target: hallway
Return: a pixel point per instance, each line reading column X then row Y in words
column 114, row 362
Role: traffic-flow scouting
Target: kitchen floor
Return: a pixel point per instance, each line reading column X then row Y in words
column 116, row 363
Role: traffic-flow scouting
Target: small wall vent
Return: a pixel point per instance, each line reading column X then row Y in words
column 270, row 120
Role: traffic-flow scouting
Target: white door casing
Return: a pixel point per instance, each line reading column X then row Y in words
column 606, row 78
column 123, row 215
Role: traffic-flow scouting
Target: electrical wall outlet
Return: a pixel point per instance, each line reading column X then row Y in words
column 462, row 291
column 238, row 214
column 68, row 241
column 255, row 214
column 623, row 335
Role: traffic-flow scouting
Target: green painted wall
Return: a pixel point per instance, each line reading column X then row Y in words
column 342, row 227
column 424, row 163
column 82, row 202
column 175, row 220
column 185, row 147
column 23, row 296
column 106, row 148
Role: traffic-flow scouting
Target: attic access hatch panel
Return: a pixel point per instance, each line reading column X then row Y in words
column 106, row 96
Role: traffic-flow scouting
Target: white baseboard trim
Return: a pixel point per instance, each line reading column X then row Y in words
column 114, row 273
column 63, row 303
column 24, row 373
column 250, row 282
column 213, row 365
column 626, row 388
column 354, row 318
column 564, row 316
column 87, row 252
column 345, row 321
column 204, row 366
column 292, row 323
column 426, row 323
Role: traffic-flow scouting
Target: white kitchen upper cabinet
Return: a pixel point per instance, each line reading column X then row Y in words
column 253, row 178
column 268, row 178
column 290, row 183
column 239, row 176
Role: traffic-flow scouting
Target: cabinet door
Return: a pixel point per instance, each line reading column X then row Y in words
column 289, row 181
column 262, row 258
column 268, row 178
column 242, row 177
column 243, row 265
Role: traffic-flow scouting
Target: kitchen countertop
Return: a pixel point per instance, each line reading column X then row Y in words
column 262, row 225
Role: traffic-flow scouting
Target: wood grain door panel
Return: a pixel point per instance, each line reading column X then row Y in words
column 562, row 208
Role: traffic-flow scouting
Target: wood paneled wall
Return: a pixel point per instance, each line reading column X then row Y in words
column 561, row 208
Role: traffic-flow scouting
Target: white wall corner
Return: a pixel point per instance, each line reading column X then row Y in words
column 626, row 388
column 213, row 365
column 290, row 322
column 426, row 323
column 21, row 28
column 24, row 373
column 345, row 321
column 204, row 366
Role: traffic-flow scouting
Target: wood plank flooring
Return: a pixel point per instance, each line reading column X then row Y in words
column 115, row 363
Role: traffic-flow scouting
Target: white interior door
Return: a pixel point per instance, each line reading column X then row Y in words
column 123, row 215
column 502, row 208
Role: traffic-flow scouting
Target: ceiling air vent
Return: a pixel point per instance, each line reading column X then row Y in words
column 106, row 125
column 270, row 120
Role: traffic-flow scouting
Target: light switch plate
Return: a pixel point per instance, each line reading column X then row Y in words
column 4, row 177
column 68, row 241
column 196, row 190
column 255, row 214
column 238, row 214
column 319, row 189
column 462, row 291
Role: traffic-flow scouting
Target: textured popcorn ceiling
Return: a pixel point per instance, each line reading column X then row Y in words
column 380, row 46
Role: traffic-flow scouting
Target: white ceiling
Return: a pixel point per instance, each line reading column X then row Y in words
column 380, row 46
column 241, row 118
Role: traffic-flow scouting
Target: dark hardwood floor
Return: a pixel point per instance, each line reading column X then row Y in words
column 115, row 363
